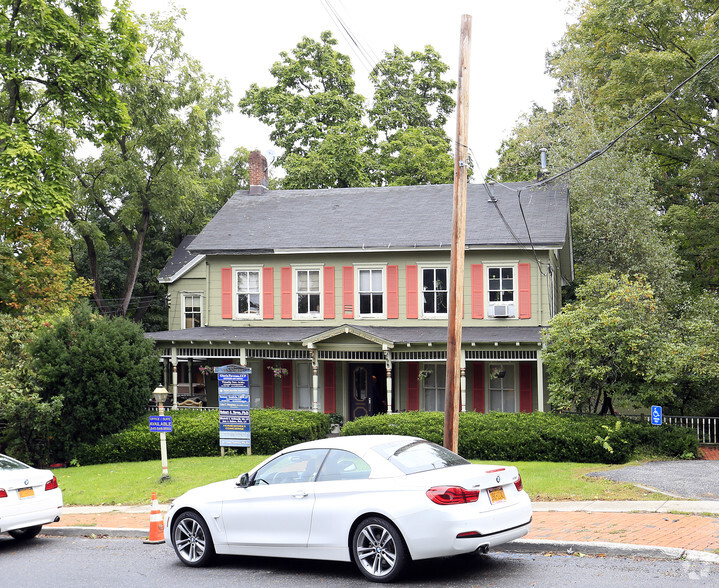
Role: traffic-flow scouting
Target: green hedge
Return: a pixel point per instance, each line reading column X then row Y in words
column 537, row 436
column 197, row 434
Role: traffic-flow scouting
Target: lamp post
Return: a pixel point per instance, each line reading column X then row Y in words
column 160, row 395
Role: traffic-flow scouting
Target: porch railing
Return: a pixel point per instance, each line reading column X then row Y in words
column 706, row 428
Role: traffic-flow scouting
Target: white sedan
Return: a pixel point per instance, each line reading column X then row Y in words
column 29, row 498
column 378, row 500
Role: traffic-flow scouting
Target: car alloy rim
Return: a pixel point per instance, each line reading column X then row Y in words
column 376, row 550
column 190, row 539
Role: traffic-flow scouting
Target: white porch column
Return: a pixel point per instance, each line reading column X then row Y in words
column 315, row 381
column 462, row 382
column 388, row 367
column 173, row 361
column 540, row 381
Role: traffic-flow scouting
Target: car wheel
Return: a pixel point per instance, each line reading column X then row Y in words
column 191, row 539
column 26, row 533
column 378, row 550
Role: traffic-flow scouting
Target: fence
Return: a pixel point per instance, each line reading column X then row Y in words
column 706, row 428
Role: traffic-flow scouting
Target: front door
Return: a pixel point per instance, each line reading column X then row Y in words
column 367, row 389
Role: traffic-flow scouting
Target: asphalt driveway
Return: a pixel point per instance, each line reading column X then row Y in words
column 686, row 479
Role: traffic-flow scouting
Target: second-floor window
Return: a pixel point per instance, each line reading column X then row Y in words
column 248, row 293
column 192, row 311
column 500, row 291
column 308, row 293
column 371, row 292
column 434, row 291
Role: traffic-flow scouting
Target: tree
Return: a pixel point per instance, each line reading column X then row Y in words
column 160, row 172
column 104, row 369
column 59, row 63
column 319, row 120
column 608, row 346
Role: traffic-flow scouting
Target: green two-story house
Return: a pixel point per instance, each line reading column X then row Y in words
column 337, row 299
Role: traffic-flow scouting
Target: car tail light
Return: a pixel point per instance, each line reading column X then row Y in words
column 452, row 495
column 51, row 484
column 3, row 493
column 518, row 483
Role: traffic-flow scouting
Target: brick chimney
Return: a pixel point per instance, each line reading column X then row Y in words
column 259, row 180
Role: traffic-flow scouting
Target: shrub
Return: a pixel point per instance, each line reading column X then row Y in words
column 197, row 434
column 536, row 436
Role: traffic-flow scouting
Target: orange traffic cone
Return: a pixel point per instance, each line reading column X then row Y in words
column 157, row 527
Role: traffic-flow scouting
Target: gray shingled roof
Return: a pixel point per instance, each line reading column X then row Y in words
column 387, row 217
column 398, row 335
column 180, row 259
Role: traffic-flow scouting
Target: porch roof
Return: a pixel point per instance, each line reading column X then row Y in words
column 306, row 335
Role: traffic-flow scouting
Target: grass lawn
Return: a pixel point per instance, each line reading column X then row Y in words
column 133, row 482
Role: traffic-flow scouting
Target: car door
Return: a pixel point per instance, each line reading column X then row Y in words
column 276, row 510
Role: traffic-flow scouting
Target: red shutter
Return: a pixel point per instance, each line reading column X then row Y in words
column 478, row 386
column 330, row 387
column 329, row 287
column 412, row 292
column 477, row 291
column 392, row 292
column 268, row 384
column 287, row 385
column 286, row 292
column 525, row 294
column 525, row 387
column 268, row 295
column 413, row 386
column 348, row 294
column 226, row 288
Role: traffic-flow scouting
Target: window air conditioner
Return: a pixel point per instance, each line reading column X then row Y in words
column 501, row 310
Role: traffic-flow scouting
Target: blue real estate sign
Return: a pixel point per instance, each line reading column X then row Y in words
column 234, row 397
column 161, row 424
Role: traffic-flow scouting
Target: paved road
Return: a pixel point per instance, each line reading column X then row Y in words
column 687, row 479
column 65, row 562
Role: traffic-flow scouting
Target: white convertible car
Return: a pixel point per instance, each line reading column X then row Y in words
column 29, row 498
column 378, row 500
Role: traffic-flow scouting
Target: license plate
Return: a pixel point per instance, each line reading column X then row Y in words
column 25, row 492
column 496, row 495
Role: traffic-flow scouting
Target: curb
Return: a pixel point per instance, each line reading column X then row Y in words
column 516, row 546
column 606, row 548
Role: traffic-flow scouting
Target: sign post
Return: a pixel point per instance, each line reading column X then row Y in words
column 234, row 400
column 163, row 425
column 656, row 415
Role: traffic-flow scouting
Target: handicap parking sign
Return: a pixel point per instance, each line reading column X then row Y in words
column 656, row 415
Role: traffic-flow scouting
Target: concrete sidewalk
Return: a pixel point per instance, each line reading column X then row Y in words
column 670, row 529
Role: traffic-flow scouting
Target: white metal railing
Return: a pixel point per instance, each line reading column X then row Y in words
column 706, row 428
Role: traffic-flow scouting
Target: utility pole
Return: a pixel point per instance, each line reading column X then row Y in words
column 456, row 270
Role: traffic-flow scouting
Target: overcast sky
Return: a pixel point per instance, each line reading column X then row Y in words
column 240, row 40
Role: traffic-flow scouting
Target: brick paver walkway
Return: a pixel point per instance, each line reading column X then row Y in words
column 657, row 529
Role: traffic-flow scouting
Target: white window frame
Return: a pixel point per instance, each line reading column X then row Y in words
column 434, row 368
column 515, row 291
column 309, row 316
column 235, row 293
column 420, row 290
column 184, row 297
column 357, row 293
column 489, row 379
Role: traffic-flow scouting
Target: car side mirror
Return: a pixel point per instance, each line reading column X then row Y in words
column 243, row 481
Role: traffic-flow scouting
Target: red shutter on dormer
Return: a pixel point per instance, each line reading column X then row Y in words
column 413, row 386
column 477, row 291
column 348, row 295
column 287, row 385
column 525, row 295
column 478, row 386
column 525, row 387
column 412, row 292
column 226, row 289
column 330, row 387
column 329, row 287
column 392, row 292
column 268, row 384
column 268, row 296
column 286, row 292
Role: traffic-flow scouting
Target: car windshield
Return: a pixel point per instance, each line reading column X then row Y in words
column 8, row 463
column 419, row 456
